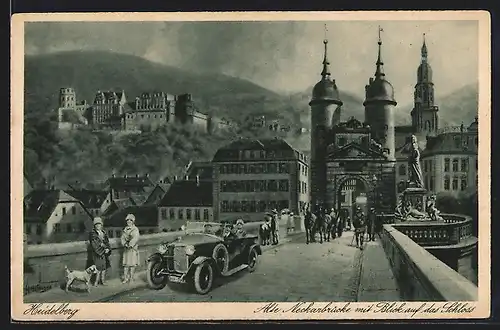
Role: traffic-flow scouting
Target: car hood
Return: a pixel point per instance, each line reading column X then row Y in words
column 194, row 239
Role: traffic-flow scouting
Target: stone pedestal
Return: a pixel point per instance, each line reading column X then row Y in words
column 417, row 198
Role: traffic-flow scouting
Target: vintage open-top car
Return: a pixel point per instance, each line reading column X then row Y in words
column 207, row 250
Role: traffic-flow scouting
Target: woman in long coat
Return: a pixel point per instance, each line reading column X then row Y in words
column 130, row 242
column 100, row 250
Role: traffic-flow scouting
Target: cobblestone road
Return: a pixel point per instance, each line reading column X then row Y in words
column 291, row 272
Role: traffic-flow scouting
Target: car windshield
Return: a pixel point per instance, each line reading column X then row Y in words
column 211, row 228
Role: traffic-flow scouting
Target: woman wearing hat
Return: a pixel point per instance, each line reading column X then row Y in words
column 240, row 232
column 100, row 250
column 130, row 240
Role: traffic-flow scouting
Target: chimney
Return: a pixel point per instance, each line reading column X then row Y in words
column 186, row 177
column 198, row 180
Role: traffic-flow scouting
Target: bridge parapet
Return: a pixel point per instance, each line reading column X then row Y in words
column 44, row 263
column 454, row 229
column 420, row 275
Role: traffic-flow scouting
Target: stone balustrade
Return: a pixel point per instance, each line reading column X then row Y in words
column 420, row 275
column 456, row 228
column 44, row 264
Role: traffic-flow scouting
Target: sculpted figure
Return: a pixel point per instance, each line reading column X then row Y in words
column 415, row 172
column 432, row 210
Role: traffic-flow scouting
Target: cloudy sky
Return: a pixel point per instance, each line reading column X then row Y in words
column 282, row 56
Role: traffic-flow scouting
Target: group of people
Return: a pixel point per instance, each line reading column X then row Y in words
column 100, row 250
column 340, row 221
column 227, row 230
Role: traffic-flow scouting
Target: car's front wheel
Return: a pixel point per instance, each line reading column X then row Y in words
column 203, row 277
column 252, row 260
column 156, row 280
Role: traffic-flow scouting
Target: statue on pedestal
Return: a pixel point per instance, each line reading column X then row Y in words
column 415, row 177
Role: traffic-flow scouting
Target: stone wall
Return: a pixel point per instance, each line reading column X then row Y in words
column 44, row 264
column 420, row 275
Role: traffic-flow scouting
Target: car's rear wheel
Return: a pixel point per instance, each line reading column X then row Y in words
column 252, row 260
column 203, row 277
column 156, row 280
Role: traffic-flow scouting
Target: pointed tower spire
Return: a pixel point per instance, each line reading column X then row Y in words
column 423, row 51
column 379, row 74
column 326, row 64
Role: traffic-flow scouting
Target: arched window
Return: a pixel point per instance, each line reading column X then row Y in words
column 427, row 125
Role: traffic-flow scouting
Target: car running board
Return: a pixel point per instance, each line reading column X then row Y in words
column 235, row 270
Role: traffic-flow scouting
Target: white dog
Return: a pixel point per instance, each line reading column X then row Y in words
column 80, row 275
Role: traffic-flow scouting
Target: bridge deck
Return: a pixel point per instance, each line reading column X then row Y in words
column 332, row 271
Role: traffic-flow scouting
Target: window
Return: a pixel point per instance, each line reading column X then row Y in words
column 197, row 214
column 205, row 214
column 457, row 141
column 69, row 228
column 64, row 211
column 455, row 165
column 73, row 210
column 224, row 206
column 57, row 227
column 81, row 227
column 463, row 183
column 465, row 165
column 180, row 214
column 172, row 214
column 252, row 206
column 283, row 185
column 188, row 214
column 342, row 198
column 455, row 183
column 164, row 214
column 446, row 183
column 402, row 169
column 446, row 164
column 111, row 233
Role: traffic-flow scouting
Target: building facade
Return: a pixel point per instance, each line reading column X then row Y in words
column 450, row 159
column 71, row 113
column 151, row 109
column 251, row 177
column 185, row 200
column 108, row 110
column 54, row 216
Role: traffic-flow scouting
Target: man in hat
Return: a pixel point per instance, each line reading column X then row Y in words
column 371, row 224
column 275, row 227
column 359, row 227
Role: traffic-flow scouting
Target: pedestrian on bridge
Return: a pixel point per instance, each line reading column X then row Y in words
column 371, row 224
column 359, row 227
column 100, row 250
column 130, row 242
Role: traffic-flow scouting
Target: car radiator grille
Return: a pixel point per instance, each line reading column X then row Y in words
column 180, row 260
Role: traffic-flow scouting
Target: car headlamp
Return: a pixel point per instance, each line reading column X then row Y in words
column 162, row 248
column 190, row 250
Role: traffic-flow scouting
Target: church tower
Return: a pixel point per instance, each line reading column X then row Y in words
column 379, row 106
column 424, row 116
column 325, row 100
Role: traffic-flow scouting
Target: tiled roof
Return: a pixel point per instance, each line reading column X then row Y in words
column 119, row 204
column 188, row 193
column 119, row 183
column 231, row 151
column 453, row 142
column 201, row 169
column 145, row 216
column 92, row 199
column 39, row 204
